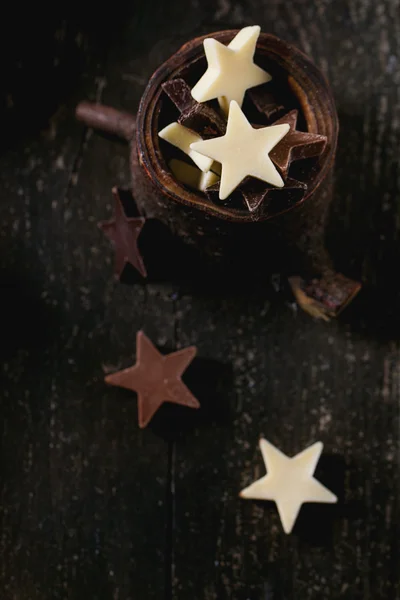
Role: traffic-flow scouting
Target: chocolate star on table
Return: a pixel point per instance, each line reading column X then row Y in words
column 156, row 378
column 295, row 145
column 289, row 482
column 123, row 232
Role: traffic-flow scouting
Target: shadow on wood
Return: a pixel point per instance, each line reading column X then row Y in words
column 26, row 322
column 361, row 230
column 209, row 381
column 315, row 523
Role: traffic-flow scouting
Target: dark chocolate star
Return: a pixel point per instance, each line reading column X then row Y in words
column 123, row 232
column 156, row 378
column 272, row 200
column 258, row 196
column 295, row 145
column 195, row 115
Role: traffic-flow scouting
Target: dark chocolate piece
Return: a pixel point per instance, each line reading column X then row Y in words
column 178, row 91
column 261, row 197
column 156, row 378
column 325, row 297
column 197, row 116
column 264, row 101
column 234, row 199
column 123, row 232
column 295, row 145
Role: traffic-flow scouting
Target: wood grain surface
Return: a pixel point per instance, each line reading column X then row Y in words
column 92, row 507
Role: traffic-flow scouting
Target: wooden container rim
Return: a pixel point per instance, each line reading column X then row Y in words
column 313, row 93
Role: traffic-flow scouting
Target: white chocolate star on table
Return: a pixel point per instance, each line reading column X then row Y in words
column 243, row 151
column 289, row 482
column 231, row 69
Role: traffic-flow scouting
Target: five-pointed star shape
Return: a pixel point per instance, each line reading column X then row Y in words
column 156, row 378
column 296, row 144
column 289, row 482
column 231, row 69
column 123, row 232
column 243, row 151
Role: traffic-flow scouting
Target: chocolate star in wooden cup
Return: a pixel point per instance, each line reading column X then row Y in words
column 296, row 145
column 156, row 378
column 259, row 197
column 123, row 233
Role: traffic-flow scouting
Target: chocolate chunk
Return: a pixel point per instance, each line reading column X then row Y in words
column 196, row 116
column 178, row 91
column 324, row 297
column 295, row 145
column 156, row 378
column 264, row 101
column 234, row 200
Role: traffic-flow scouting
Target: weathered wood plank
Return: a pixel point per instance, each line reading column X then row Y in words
column 89, row 505
column 330, row 386
column 81, row 476
column 295, row 381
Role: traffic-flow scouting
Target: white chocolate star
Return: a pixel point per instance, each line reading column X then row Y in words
column 181, row 137
column 289, row 482
column 231, row 69
column 243, row 151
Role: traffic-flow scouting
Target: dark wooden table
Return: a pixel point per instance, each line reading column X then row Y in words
column 92, row 507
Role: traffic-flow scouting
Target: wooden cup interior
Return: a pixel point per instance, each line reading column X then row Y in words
column 301, row 85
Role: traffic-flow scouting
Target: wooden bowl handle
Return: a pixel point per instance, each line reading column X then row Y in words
column 107, row 119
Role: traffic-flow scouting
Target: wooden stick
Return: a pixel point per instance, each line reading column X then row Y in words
column 107, row 119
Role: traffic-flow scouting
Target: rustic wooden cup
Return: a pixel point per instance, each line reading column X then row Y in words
column 286, row 234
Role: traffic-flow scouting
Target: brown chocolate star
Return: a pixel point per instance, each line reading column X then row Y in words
column 156, row 378
column 295, row 145
column 195, row 115
column 123, row 232
column 258, row 196
column 272, row 199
